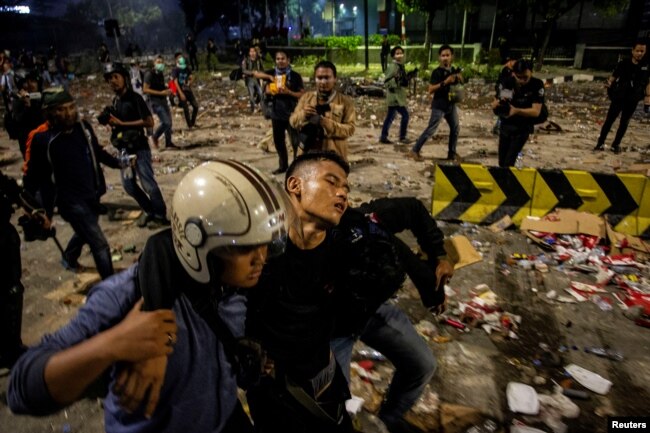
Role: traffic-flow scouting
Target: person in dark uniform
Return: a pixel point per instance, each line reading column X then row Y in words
column 625, row 88
column 519, row 103
column 11, row 289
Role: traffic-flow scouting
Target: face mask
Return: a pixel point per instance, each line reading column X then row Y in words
column 160, row 67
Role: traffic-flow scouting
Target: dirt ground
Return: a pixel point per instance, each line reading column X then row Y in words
column 473, row 368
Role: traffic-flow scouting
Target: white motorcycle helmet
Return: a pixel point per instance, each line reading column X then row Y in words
column 223, row 203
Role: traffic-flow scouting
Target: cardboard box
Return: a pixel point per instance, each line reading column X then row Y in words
column 566, row 221
column 461, row 252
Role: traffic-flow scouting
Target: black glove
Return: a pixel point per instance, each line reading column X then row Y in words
column 646, row 108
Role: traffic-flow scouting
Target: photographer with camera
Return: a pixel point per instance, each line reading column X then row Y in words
column 444, row 79
column 128, row 116
column 520, row 105
column 396, row 82
column 64, row 167
column 36, row 225
column 324, row 117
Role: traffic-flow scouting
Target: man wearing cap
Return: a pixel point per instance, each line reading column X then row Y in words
column 129, row 114
column 64, row 167
column 183, row 78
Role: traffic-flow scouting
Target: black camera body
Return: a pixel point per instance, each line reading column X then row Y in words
column 33, row 229
column 105, row 115
column 322, row 109
column 503, row 109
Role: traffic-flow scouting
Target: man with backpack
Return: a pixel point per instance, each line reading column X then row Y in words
column 250, row 65
column 520, row 105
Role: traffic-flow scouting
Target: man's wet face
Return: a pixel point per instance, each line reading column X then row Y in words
column 324, row 192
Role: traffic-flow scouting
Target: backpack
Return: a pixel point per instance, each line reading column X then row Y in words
column 236, row 74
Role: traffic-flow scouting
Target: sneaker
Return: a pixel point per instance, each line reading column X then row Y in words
column 72, row 267
column 143, row 219
column 414, row 155
column 599, row 147
column 156, row 223
column 405, row 140
column 616, row 149
column 385, row 141
column 453, row 156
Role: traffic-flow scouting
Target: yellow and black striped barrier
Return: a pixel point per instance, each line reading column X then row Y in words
column 483, row 195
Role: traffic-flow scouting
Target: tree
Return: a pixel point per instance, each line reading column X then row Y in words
column 552, row 10
column 427, row 8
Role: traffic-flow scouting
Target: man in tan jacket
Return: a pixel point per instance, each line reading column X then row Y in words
column 324, row 117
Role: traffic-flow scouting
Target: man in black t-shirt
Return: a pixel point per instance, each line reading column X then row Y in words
column 129, row 115
column 625, row 88
column 442, row 83
column 284, row 87
column 519, row 103
column 291, row 310
column 156, row 89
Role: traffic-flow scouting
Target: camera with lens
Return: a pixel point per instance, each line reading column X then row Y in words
column 503, row 109
column 321, row 109
column 33, row 229
column 105, row 115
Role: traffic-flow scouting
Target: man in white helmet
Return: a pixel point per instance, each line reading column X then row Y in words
column 226, row 220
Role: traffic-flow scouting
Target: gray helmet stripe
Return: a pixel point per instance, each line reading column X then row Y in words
column 258, row 182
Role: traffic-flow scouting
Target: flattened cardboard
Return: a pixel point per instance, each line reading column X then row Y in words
column 461, row 252
column 501, row 225
column 636, row 245
column 567, row 221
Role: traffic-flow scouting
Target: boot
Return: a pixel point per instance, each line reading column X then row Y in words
column 11, row 309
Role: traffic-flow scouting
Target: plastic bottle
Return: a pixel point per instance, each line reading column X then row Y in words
column 519, row 163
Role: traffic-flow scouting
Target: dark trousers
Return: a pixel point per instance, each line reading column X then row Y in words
column 11, row 295
column 279, row 126
column 390, row 116
column 626, row 110
column 512, row 139
column 384, row 62
column 84, row 220
column 194, row 62
column 191, row 100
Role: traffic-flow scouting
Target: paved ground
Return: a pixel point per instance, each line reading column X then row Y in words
column 474, row 369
